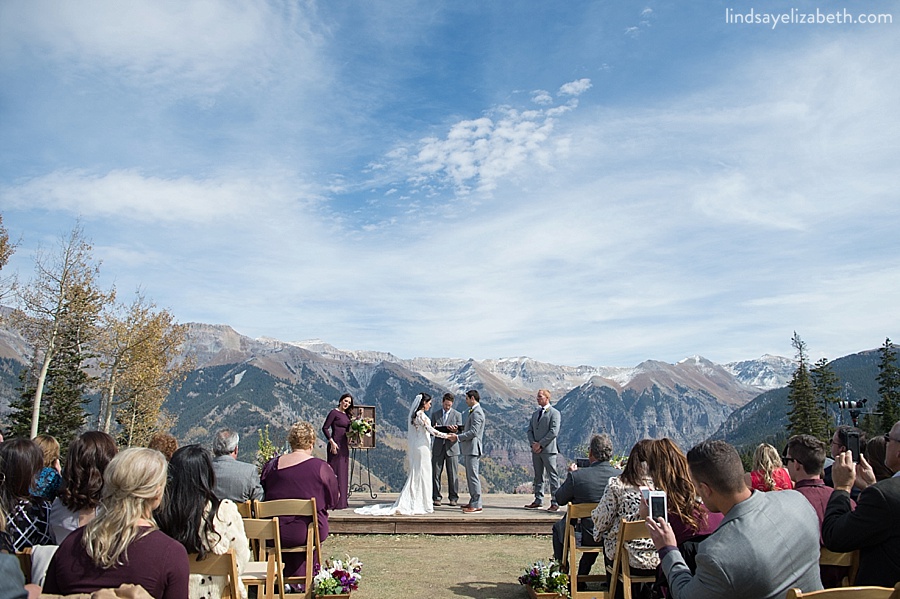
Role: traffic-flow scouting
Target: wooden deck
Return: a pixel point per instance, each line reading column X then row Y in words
column 503, row 514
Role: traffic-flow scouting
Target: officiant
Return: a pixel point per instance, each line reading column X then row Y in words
column 445, row 452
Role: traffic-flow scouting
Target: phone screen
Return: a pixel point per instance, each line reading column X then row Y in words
column 582, row 462
column 853, row 445
column 658, row 506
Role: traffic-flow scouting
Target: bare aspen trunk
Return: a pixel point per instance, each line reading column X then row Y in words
column 39, row 387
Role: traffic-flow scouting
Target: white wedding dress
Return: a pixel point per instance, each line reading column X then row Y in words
column 415, row 498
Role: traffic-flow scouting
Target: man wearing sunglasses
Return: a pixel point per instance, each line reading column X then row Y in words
column 874, row 526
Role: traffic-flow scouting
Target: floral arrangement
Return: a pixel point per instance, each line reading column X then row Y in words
column 361, row 427
column 266, row 450
column 336, row 577
column 546, row 577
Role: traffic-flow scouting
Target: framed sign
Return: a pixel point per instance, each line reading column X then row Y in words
column 362, row 427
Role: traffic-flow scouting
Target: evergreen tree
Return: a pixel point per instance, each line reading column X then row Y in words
column 805, row 416
column 828, row 390
column 888, row 385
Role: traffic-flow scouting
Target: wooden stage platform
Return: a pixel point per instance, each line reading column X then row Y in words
column 503, row 514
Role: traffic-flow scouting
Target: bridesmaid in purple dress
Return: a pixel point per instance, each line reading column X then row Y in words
column 298, row 475
column 335, row 429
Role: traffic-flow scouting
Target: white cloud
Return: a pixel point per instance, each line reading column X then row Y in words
column 575, row 88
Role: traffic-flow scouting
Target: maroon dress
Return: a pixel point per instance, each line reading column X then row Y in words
column 310, row 479
column 336, row 426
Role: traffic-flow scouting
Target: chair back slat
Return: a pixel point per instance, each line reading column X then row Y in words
column 218, row 565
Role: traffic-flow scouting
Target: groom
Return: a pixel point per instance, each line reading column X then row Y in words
column 470, row 445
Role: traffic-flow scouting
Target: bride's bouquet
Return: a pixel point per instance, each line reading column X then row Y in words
column 361, row 427
column 336, row 577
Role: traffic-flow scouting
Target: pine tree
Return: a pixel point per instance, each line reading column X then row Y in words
column 805, row 416
column 888, row 385
column 828, row 390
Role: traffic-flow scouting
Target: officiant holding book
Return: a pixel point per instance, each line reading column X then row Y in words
column 445, row 452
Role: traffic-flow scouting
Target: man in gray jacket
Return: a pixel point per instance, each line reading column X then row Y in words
column 237, row 481
column 585, row 485
column 766, row 544
column 543, row 428
column 445, row 452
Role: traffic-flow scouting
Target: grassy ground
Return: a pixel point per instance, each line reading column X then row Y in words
column 440, row 567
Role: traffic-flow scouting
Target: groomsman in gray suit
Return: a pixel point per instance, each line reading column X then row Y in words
column 543, row 427
column 445, row 452
column 471, row 446
column 237, row 481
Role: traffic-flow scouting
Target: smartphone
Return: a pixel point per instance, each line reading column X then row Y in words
column 657, row 504
column 853, row 445
column 645, row 493
column 582, row 462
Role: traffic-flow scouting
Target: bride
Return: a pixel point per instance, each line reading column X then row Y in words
column 415, row 498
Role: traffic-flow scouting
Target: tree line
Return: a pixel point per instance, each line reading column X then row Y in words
column 815, row 390
column 87, row 346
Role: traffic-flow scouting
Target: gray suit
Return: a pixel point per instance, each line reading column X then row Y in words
column 445, row 452
column 237, row 481
column 766, row 545
column 585, row 485
column 470, row 444
column 543, row 427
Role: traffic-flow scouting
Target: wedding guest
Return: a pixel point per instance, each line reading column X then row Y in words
column 192, row 515
column 49, row 479
column 79, row 498
column 27, row 516
column 335, row 429
column 622, row 500
column 165, row 443
column 123, row 545
column 235, row 480
column 768, row 473
column 876, row 451
column 299, row 475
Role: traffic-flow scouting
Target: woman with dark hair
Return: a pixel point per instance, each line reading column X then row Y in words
column 123, row 545
column 335, row 429
column 668, row 467
column 192, row 515
column 82, row 483
column 415, row 497
column 876, row 449
column 622, row 499
column 27, row 516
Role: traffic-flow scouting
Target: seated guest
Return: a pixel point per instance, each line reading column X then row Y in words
column 164, row 443
column 122, row 545
column 237, row 481
column 768, row 472
column 874, row 526
column 49, row 479
column 12, row 581
column 766, row 544
column 192, row 515
column 585, row 485
column 79, row 497
column 622, row 499
column 668, row 468
column 298, row 475
column 876, row 450
column 27, row 516
column 805, row 462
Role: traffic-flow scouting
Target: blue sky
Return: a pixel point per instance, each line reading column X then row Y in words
column 582, row 181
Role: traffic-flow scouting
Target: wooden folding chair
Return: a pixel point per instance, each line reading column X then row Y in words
column 849, row 560
column 572, row 551
column 24, row 557
column 247, row 509
column 265, row 569
column 848, row 593
column 312, row 548
column 621, row 569
column 218, row 565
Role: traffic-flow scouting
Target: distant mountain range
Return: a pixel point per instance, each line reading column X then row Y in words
column 249, row 384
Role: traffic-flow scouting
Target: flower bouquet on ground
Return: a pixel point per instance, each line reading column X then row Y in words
column 336, row 577
column 360, row 427
column 545, row 579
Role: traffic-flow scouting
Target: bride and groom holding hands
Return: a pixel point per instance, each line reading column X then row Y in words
column 417, row 496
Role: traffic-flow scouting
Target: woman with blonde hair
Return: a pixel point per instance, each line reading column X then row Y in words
column 123, row 545
column 768, row 474
column 49, row 480
column 299, row 475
